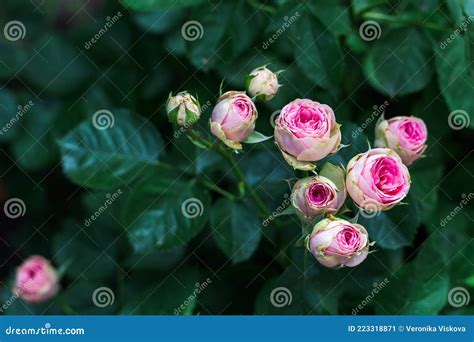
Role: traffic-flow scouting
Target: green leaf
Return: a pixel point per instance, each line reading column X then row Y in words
column 159, row 21
column 164, row 212
column 256, row 137
column 9, row 115
column 317, row 53
column 55, row 66
column 164, row 295
column 424, row 189
column 455, row 80
column 417, row 288
column 107, row 158
column 152, row 5
column 237, row 229
column 398, row 64
column 335, row 174
column 334, row 16
column 394, row 228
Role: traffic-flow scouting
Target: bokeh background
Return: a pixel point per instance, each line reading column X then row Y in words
column 63, row 63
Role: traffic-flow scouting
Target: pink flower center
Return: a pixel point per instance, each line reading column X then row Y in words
column 348, row 239
column 243, row 108
column 387, row 176
column 306, row 119
column 319, row 194
column 413, row 132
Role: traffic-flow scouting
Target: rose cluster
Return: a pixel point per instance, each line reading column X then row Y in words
column 306, row 132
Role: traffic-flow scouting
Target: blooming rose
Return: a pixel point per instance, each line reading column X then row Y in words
column 263, row 83
column 404, row 134
column 36, row 280
column 337, row 242
column 306, row 131
column 317, row 195
column 233, row 118
column 377, row 179
column 183, row 109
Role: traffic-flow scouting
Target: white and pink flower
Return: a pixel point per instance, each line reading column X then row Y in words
column 337, row 242
column 306, row 131
column 406, row 135
column 36, row 280
column 233, row 118
column 377, row 179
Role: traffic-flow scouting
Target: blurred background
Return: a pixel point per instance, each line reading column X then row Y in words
column 64, row 61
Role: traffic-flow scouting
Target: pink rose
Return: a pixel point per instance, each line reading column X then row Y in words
column 306, row 131
column 337, row 242
column 313, row 196
column 404, row 134
column 233, row 118
column 262, row 83
column 36, row 280
column 377, row 179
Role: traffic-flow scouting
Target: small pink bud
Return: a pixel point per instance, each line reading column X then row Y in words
column 36, row 280
column 406, row 135
column 233, row 118
column 337, row 242
column 183, row 109
column 317, row 195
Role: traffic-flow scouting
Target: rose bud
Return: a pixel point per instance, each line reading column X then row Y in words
column 262, row 83
column 337, row 242
column 306, row 131
column 377, row 179
column 36, row 280
column 183, row 109
column 233, row 118
column 317, row 195
column 406, row 135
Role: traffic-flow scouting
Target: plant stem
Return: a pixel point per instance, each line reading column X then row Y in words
column 217, row 189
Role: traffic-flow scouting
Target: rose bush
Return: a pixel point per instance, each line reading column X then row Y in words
column 127, row 188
